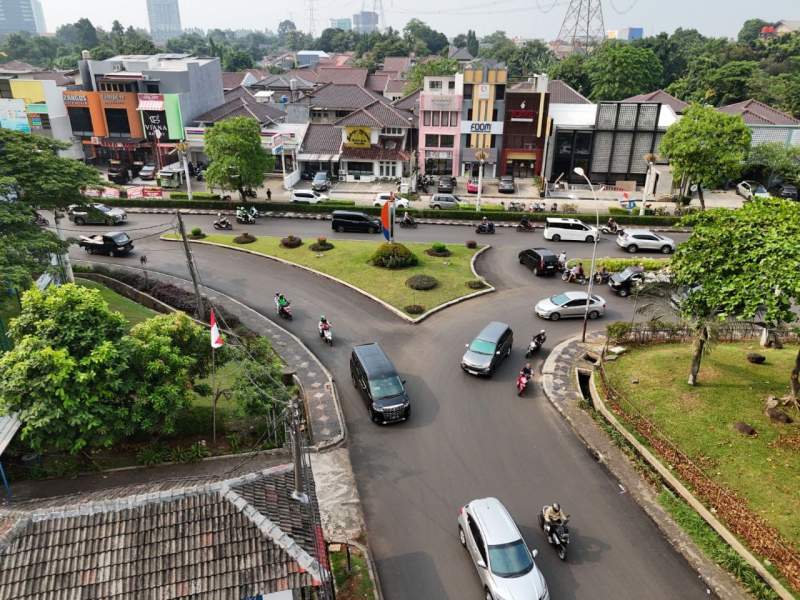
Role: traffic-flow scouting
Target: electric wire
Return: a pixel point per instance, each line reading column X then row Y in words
column 627, row 10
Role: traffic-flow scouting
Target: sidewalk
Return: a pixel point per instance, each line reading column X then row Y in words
column 560, row 384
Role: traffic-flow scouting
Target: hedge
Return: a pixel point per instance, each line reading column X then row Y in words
column 195, row 196
column 615, row 264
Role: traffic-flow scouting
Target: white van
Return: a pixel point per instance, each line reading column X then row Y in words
column 568, row 230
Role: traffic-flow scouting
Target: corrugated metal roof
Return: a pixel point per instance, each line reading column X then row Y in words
column 9, row 425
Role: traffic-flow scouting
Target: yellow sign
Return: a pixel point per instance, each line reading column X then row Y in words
column 357, row 137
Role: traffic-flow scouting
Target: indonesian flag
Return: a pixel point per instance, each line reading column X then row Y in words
column 216, row 337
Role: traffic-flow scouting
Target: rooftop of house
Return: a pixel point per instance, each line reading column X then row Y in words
column 563, row 93
column 409, row 102
column 459, row 53
column 377, row 115
column 240, row 102
column 160, row 62
column 663, row 97
column 17, row 67
column 377, row 82
column 342, row 75
column 321, row 139
column 399, row 64
column 284, row 82
column 213, row 539
column 232, row 80
column 395, row 86
column 341, row 96
column 757, row 113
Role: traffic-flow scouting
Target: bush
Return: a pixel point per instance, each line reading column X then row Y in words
column 476, row 284
column 618, row 330
column 422, row 282
column 152, row 454
column 195, row 196
column 615, row 210
column 414, row 309
column 393, row 256
column 291, row 242
column 321, row 245
column 618, row 264
column 339, row 203
column 196, row 234
column 438, row 249
column 471, row 244
column 202, row 389
column 569, row 208
column 245, row 238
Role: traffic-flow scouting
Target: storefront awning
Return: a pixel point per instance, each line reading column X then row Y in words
column 151, row 105
column 318, row 157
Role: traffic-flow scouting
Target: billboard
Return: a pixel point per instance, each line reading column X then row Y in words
column 13, row 115
column 357, row 137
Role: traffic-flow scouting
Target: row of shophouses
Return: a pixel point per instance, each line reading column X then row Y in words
column 136, row 109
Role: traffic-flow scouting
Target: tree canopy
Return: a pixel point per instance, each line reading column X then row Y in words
column 774, row 163
column 424, row 39
column 237, row 159
column 618, row 71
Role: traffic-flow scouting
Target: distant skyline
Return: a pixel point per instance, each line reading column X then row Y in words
column 518, row 18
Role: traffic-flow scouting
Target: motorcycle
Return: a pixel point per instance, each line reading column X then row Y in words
column 284, row 311
column 602, row 278
column 485, row 228
column 200, row 176
column 250, row 193
column 526, row 227
column 516, row 206
column 326, row 333
column 522, row 383
column 412, row 224
column 557, row 534
column 611, row 230
column 537, row 207
column 536, row 342
column 579, row 279
column 243, row 216
column 41, row 221
column 223, row 223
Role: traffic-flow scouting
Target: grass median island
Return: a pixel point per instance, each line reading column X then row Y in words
column 348, row 261
column 764, row 470
column 133, row 312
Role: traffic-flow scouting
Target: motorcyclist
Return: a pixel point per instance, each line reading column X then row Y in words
column 526, row 371
column 324, row 325
column 612, row 224
column 407, row 219
column 525, row 223
column 562, row 260
column 487, row 225
column 553, row 515
column 540, row 337
column 602, row 275
column 575, row 273
column 280, row 302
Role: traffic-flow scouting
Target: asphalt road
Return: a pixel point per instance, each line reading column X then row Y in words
column 467, row 438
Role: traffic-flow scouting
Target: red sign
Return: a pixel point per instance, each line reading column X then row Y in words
column 152, row 192
column 109, row 192
column 135, row 192
column 522, row 114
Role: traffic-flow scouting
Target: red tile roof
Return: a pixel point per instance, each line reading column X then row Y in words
column 343, row 75
column 562, row 93
column 757, row 113
column 662, row 97
column 374, row 153
column 377, row 83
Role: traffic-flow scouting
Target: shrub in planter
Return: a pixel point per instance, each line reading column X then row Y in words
column 422, row 282
column 438, row 249
column 472, row 244
column 291, row 242
column 476, row 284
column 393, row 256
column 618, row 330
column 414, row 309
column 245, row 238
column 321, row 245
column 196, row 234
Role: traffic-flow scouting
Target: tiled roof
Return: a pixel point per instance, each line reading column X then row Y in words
column 341, row 96
column 232, row 80
column 400, row 64
column 307, row 74
column 409, row 101
column 322, row 139
column 342, row 75
column 263, row 112
column 395, row 86
column 60, row 78
column 377, row 82
column 226, row 539
column 17, row 66
column 662, row 97
column 459, row 53
column 283, row 82
column 757, row 113
column 377, row 115
column 374, row 153
column 562, row 93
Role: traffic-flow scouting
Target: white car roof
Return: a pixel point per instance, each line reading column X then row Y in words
column 639, row 232
column 562, row 220
column 497, row 525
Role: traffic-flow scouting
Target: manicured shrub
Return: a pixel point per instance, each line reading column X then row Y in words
column 618, row 264
column 245, row 238
column 438, row 249
column 472, row 244
column 195, row 196
column 393, row 256
column 321, row 245
column 291, row 242
column 414, row 309
column 422, row 282
column 196, row 234
column 476, row 284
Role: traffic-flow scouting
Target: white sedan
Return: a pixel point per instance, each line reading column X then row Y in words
column 569, row 304
column 384, row 197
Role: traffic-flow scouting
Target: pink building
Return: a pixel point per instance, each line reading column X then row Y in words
column 440, row 125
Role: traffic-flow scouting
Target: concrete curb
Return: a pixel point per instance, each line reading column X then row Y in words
column 372, row 297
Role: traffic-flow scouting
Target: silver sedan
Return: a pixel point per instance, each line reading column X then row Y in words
column 570, row 304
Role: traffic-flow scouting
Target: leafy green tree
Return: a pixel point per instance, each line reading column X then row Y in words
column 759, row 280
column 729, row 83
column 264, row 370
column 284, row 27
column 706, row 147
column 775, row 163
column 618, row 71
column 236, row 60
column 673, row 51
column 573, row 71
column 750, row 31
column 336, row 40
column 472, row 43
column 237, row 159
column 417, row 31
column 460, row 41
column 81, row 33
column 497, row 46
column 529, row 59
column 435, row 67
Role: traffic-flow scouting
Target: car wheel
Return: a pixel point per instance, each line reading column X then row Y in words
column 535, row 271
column 461, row 537
column 80, row 221
column 339, row 229
column 436, row 207
column 632, row 248
column 623, row 292
column 555, row 317
column 556, row 238
column 109, row 222
column 666, row 250
column 590, row 239
column 373, row 230
column 489, row 595
column 593, row 314
column 372, row 415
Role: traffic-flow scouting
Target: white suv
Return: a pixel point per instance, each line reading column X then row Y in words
column 308, row 197
column 571, row 230
column 502, row 558
column 384, row 197
column 633, row 240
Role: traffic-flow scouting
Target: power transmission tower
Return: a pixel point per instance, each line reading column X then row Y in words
column 377, row 7
column 311, row 18
column 583, row 27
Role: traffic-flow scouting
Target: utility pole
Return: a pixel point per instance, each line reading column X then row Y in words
column 190, row 264
column 297, row 454
column 182, row 147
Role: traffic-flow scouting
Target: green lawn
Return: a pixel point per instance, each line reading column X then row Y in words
column 355, row 584
column 764, row 470
column 133, row 312
column 348, row 261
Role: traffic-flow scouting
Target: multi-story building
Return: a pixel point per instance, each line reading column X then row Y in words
column 344, row 24
column 17, row 15
column 133, row 108
column 483, row 111
column 525, row 128
column 440, row 105
column 165, row 19
column 38, row 17
column 365, row 21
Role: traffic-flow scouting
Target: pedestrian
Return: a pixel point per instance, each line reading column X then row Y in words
column 269, row 195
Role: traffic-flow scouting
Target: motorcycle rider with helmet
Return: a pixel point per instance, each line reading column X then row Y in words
column 553, row 515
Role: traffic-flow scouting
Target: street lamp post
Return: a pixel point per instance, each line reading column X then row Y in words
column 580, row 172
column 481, row 156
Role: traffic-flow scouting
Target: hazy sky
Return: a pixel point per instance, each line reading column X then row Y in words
column 525, row 18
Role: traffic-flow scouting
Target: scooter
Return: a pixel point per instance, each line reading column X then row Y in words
column 557, row 534
column 522, row 383
column 485, row 228
column 326, row 334
column 579, row 279
column 536, row 342
column 516, row 206
column 527, row 227
column 408, row 224
column 285, row 311
column 611, row 230
column 602, row 278
column 242, row 216
column 223, row 223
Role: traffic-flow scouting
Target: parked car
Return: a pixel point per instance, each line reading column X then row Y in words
column 506, row 185
column 569, row 304
column 348, row 220
column 321, row 182
column 503, row 560
column 472, row 186
column 308, row 197
column 557, row 229
column 749, row 189
column 445, row 201
column 118, row 172
column 95, row 213
column 623, row 282
column 491, row 346
column 633, row 240
column 307, row 175
column 788, row 191
column 384, row 197
column 147, row 172
column 444, row 185
column 539, row 260
column 114, row 243
column 381, row 388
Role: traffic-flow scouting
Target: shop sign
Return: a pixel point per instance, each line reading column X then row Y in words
column 135, row 192
column 76, row 99
column 113, row 98
column 522, row 116
column 491, row 127
column 357, row 137
column 483, row 91
column 155, row 125
column 152, row 192
column 438, row 154
column 13, row 115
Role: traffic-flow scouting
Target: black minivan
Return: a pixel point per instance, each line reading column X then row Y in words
column 348, row 220
column 491, row 346
column 381, row 388
column 539, row 260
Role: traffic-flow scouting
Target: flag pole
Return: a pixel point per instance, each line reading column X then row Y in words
column 214, row 391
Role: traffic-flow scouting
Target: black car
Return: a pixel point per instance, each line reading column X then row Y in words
column 539, row 260
column 347, row 220
column 114, row 243
column 491, row 346
column 788, row 191
column 622, row 283
column 445, row 185
column 118, row 173
column 381, row 388
column 506, row 185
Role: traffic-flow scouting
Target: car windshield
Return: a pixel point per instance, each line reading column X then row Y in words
column 102, row 207
column 559, row 299
column 320, row 177
column 760, row 189
column 482, row 347
column 510, row 560
column 629, row 272
column 506, row 179
column 386, row 387
column 120, row 238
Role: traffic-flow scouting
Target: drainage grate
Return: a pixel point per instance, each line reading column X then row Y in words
column 583, row 383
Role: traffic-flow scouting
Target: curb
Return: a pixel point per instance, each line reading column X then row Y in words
column 386, row 305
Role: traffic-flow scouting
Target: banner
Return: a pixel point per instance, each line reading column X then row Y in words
column 135, row 192
column 91, row 192
column 155, row 125
column 110, row 192
column 357, row 137
column 152, row 192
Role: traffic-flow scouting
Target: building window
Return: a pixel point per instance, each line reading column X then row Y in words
column 435, row 85
column 467, row 91
column 431, row 140
column 360, row 168
column 451, row 85
column 426, row 118
column 446, row 141
column 392, row 131
column 117, row 120
column 152, row 88
column 388, row 169
column 435, row 118
column 80, row 120
column 499, row 92
column 454, row 118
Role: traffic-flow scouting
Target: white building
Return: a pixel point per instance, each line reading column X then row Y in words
column 165, row 19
